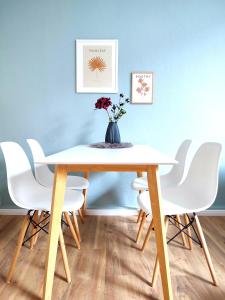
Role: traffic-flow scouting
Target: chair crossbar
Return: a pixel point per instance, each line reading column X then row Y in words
column 35, row 224
column 40, row 228
column 191, row 223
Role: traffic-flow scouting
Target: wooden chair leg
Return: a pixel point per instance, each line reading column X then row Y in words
column 139, row 215
column 34, row 229
column 67, row 217
column 182, row 233
column 147, row 235
column 18, row 247
column 76, row 227
column 85, row 192
column 64, row 255
column 206, row 251
column 141, row 227
column 81, row 216
column 186, row 220
column 156, row 267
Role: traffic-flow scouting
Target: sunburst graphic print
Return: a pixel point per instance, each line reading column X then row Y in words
column 97, row 63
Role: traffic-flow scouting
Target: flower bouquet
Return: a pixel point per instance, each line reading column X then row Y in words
column 114, row 112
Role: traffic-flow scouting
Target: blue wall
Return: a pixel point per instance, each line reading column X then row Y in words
column 182, row 42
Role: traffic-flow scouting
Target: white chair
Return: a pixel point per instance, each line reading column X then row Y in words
column 27, row 193
column 196, row 193
column 171, row 179
column 46, row 178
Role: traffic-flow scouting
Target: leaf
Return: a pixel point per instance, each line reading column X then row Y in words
column 97, row 63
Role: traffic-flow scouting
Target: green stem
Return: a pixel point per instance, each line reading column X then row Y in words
column 110, row 118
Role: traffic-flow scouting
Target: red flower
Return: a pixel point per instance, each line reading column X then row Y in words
column 116, row 111
column 103, row 103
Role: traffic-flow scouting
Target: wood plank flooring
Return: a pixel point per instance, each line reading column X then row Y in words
column 109, row 264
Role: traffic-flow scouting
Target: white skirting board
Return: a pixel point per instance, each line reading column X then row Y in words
column 112, row 212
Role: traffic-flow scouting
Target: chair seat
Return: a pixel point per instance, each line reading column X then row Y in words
column 140, row 184
column 173, row 177
column 40, row 198
column 176, row 202
column 46, row 178
column 77, row 183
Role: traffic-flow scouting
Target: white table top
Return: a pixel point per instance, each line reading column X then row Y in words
column 83, row 154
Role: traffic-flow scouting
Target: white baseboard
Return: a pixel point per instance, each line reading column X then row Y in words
column 112, row 212
column 13, row 211
column 90, row 212
column 212, row 212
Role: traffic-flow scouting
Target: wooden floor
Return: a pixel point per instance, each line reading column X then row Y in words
column 109, row 265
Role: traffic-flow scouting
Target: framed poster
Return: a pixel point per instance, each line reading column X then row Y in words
column 96, row 66
column 142, row 88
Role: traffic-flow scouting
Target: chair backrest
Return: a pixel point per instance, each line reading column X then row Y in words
column 42, row 173
column 175, row 175
column 20, row 178
column 203, row 174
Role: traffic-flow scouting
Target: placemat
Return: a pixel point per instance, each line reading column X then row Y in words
column 111, row 146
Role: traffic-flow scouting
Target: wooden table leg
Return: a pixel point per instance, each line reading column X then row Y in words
column 156, row 267
column 64, row 255
column 155, row 195
column 54, row 228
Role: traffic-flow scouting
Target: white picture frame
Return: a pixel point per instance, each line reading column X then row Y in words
column 142, row 87
column 96, row 66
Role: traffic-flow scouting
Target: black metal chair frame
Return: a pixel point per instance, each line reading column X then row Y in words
column 174, row 221
column 38, row 225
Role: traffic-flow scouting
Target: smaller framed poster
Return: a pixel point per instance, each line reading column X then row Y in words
column 142, row 88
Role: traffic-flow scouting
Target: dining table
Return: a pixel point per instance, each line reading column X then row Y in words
column 87, row 159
